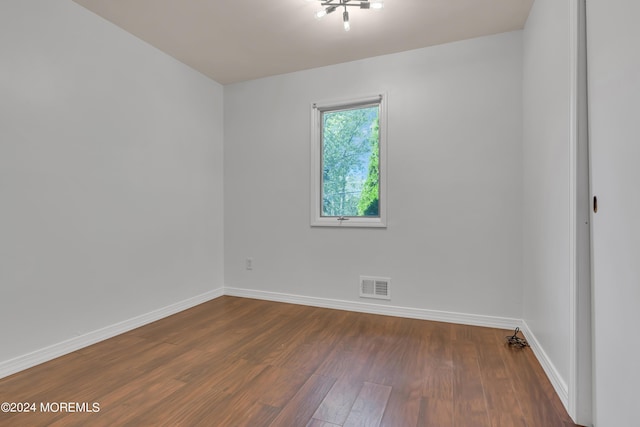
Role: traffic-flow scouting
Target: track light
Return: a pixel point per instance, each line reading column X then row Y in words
column 371, row 5
column 332, row 5
column 323, row 12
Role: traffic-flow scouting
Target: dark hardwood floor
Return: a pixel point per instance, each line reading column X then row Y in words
column 242, row 362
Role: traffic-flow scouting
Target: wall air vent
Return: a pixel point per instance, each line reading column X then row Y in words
column 375, row 287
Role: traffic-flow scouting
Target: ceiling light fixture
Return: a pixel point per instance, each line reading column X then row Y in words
column 331, row 5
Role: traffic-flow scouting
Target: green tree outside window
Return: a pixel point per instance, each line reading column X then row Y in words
column 350, row 162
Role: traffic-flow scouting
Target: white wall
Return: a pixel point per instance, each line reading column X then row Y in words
column 110, row 176
column 453, row 240
column 546, row 162
column 614, row 90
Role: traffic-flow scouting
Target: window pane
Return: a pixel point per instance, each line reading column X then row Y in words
column 350, row 162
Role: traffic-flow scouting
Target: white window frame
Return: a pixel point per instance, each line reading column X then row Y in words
column 317, row 220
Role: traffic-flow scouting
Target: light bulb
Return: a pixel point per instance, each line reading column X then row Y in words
column 323, row 12
column 345, row 20
column 377, row 5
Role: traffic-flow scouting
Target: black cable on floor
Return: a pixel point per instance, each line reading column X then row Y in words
column 515, row 341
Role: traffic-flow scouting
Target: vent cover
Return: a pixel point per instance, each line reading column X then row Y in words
column 375, row 287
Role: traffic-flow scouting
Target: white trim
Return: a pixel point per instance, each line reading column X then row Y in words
column 37, row 357
column 559, row 385
column 46, row 354
column 580, row 386
column 316, row 219
column 383, row 309
column 580, row 402
column 570, row 402
column 339, row 103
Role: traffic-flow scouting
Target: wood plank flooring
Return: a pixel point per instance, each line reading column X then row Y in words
column 242, row 362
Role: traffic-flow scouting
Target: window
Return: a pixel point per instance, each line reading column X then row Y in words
column 348, row 163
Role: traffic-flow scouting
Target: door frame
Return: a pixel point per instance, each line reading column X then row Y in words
column 580, row 395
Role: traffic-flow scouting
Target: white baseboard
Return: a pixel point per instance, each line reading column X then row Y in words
column 37, row 357
column 559, row 385
column 383, row 309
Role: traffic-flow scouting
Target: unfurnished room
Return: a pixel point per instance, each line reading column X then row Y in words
column 319, row 213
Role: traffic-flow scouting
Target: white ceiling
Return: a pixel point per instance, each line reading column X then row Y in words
column 237, row 40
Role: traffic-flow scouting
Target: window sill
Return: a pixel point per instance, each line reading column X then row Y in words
column 350, row 222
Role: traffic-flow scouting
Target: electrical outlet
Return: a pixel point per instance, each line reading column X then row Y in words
column 248, row 263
